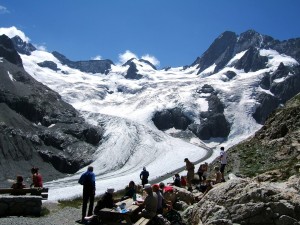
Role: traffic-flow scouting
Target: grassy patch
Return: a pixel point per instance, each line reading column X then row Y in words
column 74, row 203
column 45, row 211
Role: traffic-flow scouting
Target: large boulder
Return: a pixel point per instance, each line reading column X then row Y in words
column 246, row 201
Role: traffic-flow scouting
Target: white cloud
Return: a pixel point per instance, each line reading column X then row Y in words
column 13, row 31
column 124, row 57
column 41, row 47
column 97, row 57
column 151, row 59
column 3, row 10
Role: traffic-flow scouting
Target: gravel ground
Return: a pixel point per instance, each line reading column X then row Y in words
column 57, row 216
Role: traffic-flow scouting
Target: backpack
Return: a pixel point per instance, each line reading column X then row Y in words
column 174, row 217
column 160, row 220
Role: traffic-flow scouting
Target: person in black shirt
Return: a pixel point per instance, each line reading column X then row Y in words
column 88, row 180
column 144, row 176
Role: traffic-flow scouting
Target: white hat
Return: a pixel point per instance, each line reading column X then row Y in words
column 147, row 186
column 110, row 190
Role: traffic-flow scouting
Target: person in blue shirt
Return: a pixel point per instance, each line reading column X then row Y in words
column 144, row 176
column 88, row 180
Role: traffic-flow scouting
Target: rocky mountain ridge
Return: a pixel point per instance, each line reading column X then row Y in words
column 37, row 128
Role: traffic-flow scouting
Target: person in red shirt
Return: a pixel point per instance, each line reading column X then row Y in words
column 37, row 180
column 183, row 181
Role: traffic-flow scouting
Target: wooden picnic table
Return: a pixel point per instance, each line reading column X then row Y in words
column 122, row 216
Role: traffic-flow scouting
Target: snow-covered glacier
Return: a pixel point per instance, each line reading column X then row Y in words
column 125, row 108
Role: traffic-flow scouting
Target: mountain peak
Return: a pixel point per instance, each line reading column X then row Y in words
column 8, row 51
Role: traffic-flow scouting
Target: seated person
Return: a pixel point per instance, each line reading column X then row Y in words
column 150, row 203
column 106, row 201
column 209, row 186
column 183, row 181
column 37, row 180
column 19, row 184
column 177, row 181
column 160, row 198
column 218, row 175
column 130, row 191
column 168, row 194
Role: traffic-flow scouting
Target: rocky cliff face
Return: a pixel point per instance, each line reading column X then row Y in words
column 37, row 128
column 90, row 66
column 276, row 146
column 281, row 84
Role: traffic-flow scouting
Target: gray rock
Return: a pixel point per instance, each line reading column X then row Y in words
column 89, row 66
column 246, row 201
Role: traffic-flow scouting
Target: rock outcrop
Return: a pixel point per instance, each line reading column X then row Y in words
column 169, row 118
column 248, row 201
column 213, row 123
column 89, row 66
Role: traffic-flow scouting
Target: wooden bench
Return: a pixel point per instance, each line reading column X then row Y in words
column 43, row 192
column 142, row 221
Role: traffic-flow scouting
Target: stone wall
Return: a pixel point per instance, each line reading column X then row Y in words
column 20, row 205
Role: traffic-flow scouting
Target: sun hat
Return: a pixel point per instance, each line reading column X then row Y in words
column 155, row 187
column 147, row 186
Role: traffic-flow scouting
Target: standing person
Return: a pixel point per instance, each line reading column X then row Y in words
column 223, row 159
column 144, row 176
column 200, row 172
column 189, row 166
column 88, row 181
column 37, row 180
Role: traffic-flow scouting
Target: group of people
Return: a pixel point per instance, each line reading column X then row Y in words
column 206, row 184
column 154, row 202
column 37, row 180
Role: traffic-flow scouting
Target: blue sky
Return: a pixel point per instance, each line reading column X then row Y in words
column 172, row 32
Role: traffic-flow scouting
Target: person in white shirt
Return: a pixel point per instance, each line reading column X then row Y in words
column 223, row 159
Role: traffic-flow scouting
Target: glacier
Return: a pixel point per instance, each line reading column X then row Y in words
column 126, row 107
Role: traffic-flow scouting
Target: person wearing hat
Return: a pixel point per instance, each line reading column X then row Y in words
column 88, row 180
column 189, row 166
column 160, row 198
column 106, row 201
column 144, row 176
column 150, row 203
